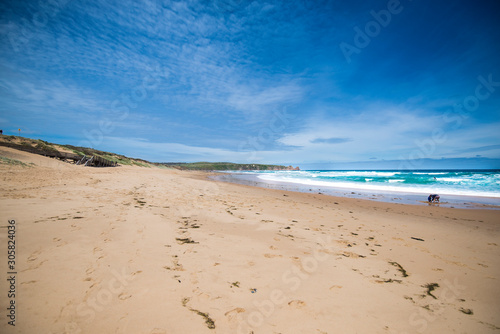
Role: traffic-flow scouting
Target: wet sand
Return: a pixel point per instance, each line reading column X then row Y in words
column 149, row 250
column 449, row 201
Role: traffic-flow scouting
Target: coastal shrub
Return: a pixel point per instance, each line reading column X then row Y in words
column 8, row 138
column 44, row 146
column 12, row 162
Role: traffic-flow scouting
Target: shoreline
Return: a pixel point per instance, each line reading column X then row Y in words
column 452, row 201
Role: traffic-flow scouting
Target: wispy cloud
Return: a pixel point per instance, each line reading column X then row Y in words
column 334, row 140
column 479, row 149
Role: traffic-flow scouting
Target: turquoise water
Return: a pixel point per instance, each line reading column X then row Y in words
column 477, row 183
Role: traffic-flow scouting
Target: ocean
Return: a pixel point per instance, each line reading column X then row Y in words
column 454, row 186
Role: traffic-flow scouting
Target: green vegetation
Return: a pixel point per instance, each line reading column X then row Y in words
column 222, row 166
column 43, row 146
column 141, row 164
column 12, row 162
column 36, row 146
column 8, row 138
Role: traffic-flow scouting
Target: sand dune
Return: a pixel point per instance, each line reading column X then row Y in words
column 148, row 250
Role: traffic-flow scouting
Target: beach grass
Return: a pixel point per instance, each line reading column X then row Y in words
column 13, row 162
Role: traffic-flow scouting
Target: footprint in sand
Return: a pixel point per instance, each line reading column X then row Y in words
column 345, row 242
column 33, row 256
column 233, row 314
column 297, row 304
column 75, row 227
column 124, row 296
column 353, row 255
column 36, row 266
column 272, row 255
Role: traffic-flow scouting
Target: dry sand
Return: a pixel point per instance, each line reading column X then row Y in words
column 149, row 250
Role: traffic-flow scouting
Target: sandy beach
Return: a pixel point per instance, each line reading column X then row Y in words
column 150, row 250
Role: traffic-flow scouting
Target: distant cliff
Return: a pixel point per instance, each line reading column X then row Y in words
column 284, row 168
column 225, row 166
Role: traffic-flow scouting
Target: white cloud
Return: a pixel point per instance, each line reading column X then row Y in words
column 256, row 101
column 389, row 132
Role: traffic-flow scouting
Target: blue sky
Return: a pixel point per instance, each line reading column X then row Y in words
column 308, row 83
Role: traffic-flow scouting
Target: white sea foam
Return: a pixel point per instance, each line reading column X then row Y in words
column 359, row 173
column 372, row 186
column 453, row 179
column 429, row 173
